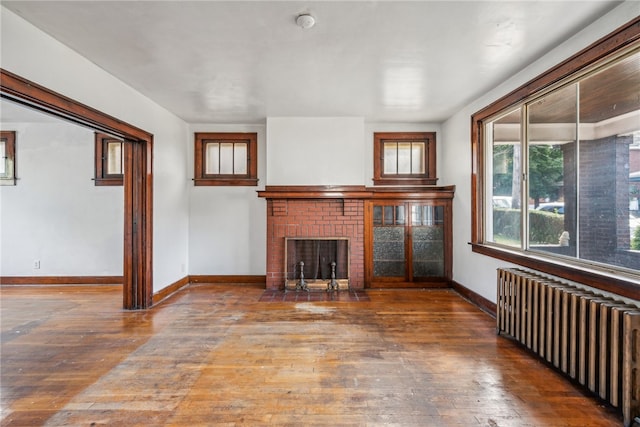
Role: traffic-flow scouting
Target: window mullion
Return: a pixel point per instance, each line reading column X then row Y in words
column 577, row 171
column 233, row 158
column 524, row 179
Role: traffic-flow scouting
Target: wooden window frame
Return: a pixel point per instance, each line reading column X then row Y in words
column 102, row 177
column 427, row 178
column 10, row 153
column 608, row 46
column 201, row 178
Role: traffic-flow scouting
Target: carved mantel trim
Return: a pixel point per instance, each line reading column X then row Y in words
column 354, row 192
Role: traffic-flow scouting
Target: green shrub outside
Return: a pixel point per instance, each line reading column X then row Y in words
column 544, row 227
column 635, row 239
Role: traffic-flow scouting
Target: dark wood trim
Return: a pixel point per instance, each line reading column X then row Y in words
column 616, row 284
column 619, row 39
column 138, row 214
column 163, row 294
column 61, row 280
column 138, row 177
column 434, row 284
column 355, row 192
column 314, row 192
column 28, row 93
column 405, row 181
column 228, row 279
column 484, row 304
column 201, row 182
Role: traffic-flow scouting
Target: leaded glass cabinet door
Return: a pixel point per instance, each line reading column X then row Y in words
column 408, row 243
column 427, row 241
column 389, row 229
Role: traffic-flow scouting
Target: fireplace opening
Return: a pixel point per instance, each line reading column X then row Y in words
column 316, row 263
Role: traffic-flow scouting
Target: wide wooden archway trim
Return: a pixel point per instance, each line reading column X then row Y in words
column 138, row 178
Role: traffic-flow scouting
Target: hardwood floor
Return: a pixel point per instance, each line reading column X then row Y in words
column 216, row 355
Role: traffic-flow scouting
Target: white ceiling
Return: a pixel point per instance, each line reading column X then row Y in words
column 242, row 61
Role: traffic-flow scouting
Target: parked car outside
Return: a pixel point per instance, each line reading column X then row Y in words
column 503, row 202
column 555, row 207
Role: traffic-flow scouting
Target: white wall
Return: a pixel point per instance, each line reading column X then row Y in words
column 228, row 225
column 315, row 151
column 32, row 54
column 474, row 271
column 55, row 214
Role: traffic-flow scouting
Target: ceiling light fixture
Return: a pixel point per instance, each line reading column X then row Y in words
column 305, row 21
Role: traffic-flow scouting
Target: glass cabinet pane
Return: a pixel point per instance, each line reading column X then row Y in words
column 427, row 240
column 388, row 251
column 377, row 215
column 388, row 240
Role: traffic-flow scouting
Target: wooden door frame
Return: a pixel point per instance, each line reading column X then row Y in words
column 138, row 178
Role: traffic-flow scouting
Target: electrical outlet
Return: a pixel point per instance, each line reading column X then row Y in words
column 36, row 264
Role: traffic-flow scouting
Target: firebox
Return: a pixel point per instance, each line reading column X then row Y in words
column 316, row 263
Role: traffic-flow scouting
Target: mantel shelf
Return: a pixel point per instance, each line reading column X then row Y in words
column 355, row 192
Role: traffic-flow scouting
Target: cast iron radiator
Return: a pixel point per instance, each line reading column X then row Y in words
column 591, row 337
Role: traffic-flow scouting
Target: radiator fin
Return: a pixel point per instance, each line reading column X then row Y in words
column 590, row 337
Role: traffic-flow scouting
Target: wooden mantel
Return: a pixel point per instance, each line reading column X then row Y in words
column 355, row 192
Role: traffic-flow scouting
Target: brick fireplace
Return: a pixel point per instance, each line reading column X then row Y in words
column 310, row 213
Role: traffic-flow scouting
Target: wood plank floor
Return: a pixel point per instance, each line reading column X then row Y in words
column 216, row 355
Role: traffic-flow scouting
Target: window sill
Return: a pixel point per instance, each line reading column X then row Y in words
column 405, row 181
column 108, row 181
column 606, row 281
column 239, row 182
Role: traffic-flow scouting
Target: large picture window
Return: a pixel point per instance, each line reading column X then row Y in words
column 558, row 182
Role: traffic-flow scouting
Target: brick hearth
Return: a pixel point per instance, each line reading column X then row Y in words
column 314, row 218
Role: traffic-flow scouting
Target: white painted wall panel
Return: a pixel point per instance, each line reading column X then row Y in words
column 55, row 214
column 228, row 225
column 315, row 151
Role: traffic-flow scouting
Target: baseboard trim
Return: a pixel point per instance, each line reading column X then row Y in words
column 475, row 298
column 61, row 280
column 164, row 293
column 246, row 279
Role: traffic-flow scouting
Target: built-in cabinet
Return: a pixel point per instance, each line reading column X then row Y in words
column 397, row 236
column 408, row 238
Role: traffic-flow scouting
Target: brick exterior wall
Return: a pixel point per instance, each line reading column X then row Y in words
column 313, row 218
column 604, row 193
